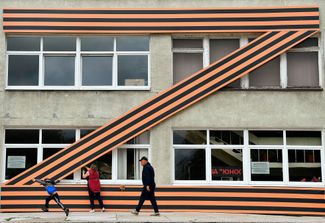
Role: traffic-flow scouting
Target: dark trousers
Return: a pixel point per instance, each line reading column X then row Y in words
column 148, row 195
column 56, row 198
column 92, row 197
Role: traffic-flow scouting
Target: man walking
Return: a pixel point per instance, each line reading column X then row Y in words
column 149, row 186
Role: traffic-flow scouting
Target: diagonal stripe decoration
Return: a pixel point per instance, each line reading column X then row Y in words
column 282, row 28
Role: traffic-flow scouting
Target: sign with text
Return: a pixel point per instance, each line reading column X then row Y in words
column 16, row 162
column 227, row 171
column 260, row 168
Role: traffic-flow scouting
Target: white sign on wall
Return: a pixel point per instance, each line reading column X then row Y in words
column 260, row 167
column 16, row 162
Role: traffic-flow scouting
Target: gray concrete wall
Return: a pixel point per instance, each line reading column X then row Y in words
column 226, row 109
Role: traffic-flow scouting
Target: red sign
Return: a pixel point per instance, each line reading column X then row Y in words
column 227, row 171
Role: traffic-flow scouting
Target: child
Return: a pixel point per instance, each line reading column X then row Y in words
column 51, row 190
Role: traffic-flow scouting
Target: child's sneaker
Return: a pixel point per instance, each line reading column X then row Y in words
column 66, row 211
column 45, row 209
column 92, row 211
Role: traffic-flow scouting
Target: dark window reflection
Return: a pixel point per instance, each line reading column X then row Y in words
column 96, row 70
column 97, row 43
column 59, row 43
column 23, row 43
column 190, row 164
column 58, row 136
column 190, row 137
column 25, row 158
column 23, row 70
column 132, row 43
column 226, row 138
column 18, row 136
column 272, row 159
column 260, row 137
column 59, row 70
column 133, row 70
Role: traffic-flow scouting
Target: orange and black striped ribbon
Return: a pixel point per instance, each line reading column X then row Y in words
column 164, row 105
column 257, row 200
column 167, row 20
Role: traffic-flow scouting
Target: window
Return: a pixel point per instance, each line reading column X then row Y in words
column 298, row 68
column 190, row 164
column 25, row 148
column 302, row 64
column 77, row 63
column 198, row 157
column 249, row 157
column 187, row 58
column 220, row 48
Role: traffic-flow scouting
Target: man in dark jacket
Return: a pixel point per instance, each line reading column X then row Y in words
column 149, row 186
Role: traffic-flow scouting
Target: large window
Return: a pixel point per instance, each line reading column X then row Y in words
column 297, row 68
column 25, row 148
column 76, row 63
column 208, row 156
column 248, row 157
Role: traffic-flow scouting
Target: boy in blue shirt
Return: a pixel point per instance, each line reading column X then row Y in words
column 53, row 194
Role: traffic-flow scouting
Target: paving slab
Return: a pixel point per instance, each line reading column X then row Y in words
column 171, row 217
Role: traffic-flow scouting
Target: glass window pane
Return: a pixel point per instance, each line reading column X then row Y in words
column 23, row 70
column 84, row 132
column 59, row 70
column 129, row 167
column 104, row 165
column 17, row 136
column 307, row 169
column 186, row 64
column 97, row 43
column 64, row 136
column 259, row 137
column 97, row 70
column 144, row 138
column 59, row 43
column 302, row 69
column 23, row 43
column 310, row 42
column 133, row 70
column 226, row 137
column 190, row 136
column 222, row 47
column 309, row 138
column 267, row 75
column 227, row 164
column 266, row 165
column 47, row 152
column 19, row 160
column 234, row 85
column 187, row 43
column 190, row 164
column 132, row 43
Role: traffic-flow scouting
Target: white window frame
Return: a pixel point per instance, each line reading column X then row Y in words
column 77, row 179
column 78, row 67
column 244, row 40
column 246, row 148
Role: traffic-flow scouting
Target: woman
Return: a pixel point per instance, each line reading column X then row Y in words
column 93, row 187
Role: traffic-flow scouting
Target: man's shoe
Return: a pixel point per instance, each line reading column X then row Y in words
column 92, row 211
column 103, row 210
column 66, row 211
column 155, row 214
column 135, row 212
column 45, row 209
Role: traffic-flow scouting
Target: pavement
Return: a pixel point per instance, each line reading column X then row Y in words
column 175, row 217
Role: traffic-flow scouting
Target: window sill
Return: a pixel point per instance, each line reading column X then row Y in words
column 276, row 89
column 128, row 88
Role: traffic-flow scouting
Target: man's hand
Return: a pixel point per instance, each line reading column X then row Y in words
column 148, row 188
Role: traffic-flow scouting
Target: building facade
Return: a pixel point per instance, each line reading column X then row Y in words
column 260, row 139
